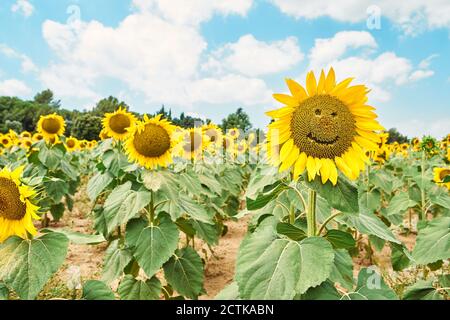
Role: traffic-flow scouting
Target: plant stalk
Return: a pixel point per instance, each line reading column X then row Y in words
column 422, row 189
column 311, row 213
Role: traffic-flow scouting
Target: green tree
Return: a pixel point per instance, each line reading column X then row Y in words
column 108, row 105
column 87, row 126
column 47, row 97
column 187, row 121
column 13, row 125
column 238, row 119
column 395, row 136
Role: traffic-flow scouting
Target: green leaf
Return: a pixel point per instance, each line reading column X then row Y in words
column 116, row 259
column 399, row 203
column 206, row 232
column 230, row 292
column 371, row 286
column 400, row 257
column 152, row 245
column 133, row 289
column 49, row 158
column 186, row 226
column 211, row 183
column 194, row 210
column 343, row 196
column 273, row 268
column 371, row 200
column 291, row 231
column 56, row 188
column 340, row 239
column 27, row 265
column 261, row 178
column 184, row 272
column 98, row 183
column 433, row 242
column 4, row 292
column 265, row 198
column 123, row 204
column 78, row 237
column 422, row 290
column 326, row 291
column 381, row 180
column 368, row 223
column 57, row 211
column 440, row 196
column 342, row 271
column 97, row 290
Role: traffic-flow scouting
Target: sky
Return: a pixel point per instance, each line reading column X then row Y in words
column 208, row 57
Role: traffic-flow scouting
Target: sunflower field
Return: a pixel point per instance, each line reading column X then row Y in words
column 329, row 209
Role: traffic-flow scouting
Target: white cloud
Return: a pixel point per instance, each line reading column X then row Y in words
column 230, row 89
column 326, row 50
column 27, row 64
column 252, row 57
column 192, row 11
column 23, row 7
column 150, row 55
column 379, row 72
column 421, row 74
column 436, row 128
column 14, row 87
column 411, row 16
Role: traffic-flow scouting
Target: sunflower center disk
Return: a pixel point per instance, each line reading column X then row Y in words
column 212, row 135
column 51, row 125
column 322, row 126
column 192, row 142
column 11, row 208
column 443, row 174
column 119, row 123
column 70, row 143
column 151, row 142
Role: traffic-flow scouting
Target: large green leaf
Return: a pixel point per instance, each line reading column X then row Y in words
column 207, row 232
column 422, row 290
column 369, row 223
column 56, row 188
column 27, row 265
column 342, row 271
column 230, row 292
column 440, row 196
column 78, row 237
column 371, row 286
column 98, row 183
column 264, row 198
column 184, row 272
column 433, row 242
column 4, row 292
column 399, row 203
column 343, row 196
column 123, row 204
column 133, row 289
column 97, row 290
column 340, row 239
column 261, row 178
column 326, row 291
column 382, row 180
column 116, row 259
column 152, row 245
column 272, row 268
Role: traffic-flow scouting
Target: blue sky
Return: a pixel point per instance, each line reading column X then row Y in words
column 208, row 57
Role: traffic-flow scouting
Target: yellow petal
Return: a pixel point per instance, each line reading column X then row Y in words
column 300, row 165
column 285, row 99
column 286, row 149
column 321, row 85
column 330, row 82
column 311, row 84
column 311, row 167
column 333, row 172
column 293, row 156
column 325, row 171
column 296, row 90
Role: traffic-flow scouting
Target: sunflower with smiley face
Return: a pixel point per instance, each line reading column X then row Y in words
column 322, row 129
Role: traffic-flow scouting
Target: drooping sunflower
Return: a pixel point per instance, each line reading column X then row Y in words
column 193, row 143
column 72, row 144
column 323, row 128
column 16, row 209
column 150, row 142
column 116, row 124
column 51, row 126
column 441, row 175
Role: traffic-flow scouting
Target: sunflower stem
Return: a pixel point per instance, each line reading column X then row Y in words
column 151, row 216
column 292, row 214
column 422, row 189
column 311, row 213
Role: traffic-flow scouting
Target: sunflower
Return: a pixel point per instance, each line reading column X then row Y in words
column 72, row 144
column 51, row 126
column 103, row 135
column 83, row 144
column 92, row 144
column 25, row 134
column 193, row 143
column 441, row 174
column 6, row 141
column 37, row 137
column 116, row 124
column 150, row 142
column 233, row 133
column 323, row 128
column 26, row 143
column 16, row 210
column 214, row 133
